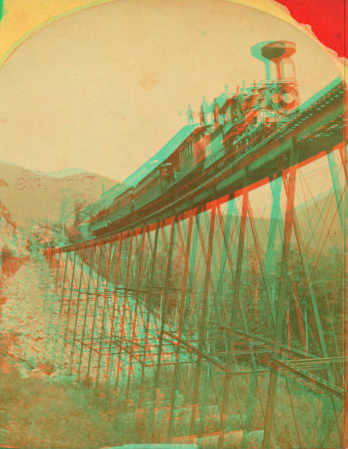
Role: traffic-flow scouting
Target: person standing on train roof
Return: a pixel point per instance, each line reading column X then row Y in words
column 215, row 107
column 226, row 94
column 204, row 112
column 222, row 100
column 189, row 114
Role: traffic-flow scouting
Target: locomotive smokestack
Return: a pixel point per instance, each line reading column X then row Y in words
column 276, row 56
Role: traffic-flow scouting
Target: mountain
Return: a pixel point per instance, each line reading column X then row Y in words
column 66, row 172
column 28, row 194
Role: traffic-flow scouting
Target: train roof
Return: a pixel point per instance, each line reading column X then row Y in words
column 160, row 156
column 107, row 197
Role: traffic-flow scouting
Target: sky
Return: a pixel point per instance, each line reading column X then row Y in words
column 105, row 88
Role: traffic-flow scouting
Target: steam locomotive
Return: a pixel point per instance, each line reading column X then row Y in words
column 237, row 122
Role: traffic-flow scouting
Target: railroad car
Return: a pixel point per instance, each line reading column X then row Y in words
column 121, row 206
column 148, row 189
column 187, row 160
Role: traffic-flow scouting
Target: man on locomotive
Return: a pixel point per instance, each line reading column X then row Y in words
column 189, row 114
column 204, row 112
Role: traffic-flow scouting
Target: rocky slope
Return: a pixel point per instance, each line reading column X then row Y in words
column 22, row 319
column 34, row 208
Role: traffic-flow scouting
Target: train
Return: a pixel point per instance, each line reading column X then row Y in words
column 237, row 122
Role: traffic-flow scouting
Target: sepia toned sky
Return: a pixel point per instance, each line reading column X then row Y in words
column 105, row 88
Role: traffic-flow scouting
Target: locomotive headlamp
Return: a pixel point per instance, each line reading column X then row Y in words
column 279, row 99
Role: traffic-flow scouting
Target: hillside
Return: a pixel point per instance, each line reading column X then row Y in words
column 320, row 221
column 29, row 195
column 318, row 224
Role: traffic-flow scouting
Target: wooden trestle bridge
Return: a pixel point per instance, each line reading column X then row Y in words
column 220, row 319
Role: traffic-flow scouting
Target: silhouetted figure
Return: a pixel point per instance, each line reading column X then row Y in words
column 243, row 89
column 204, row 112
column 216, row 112
column 226, row 94
column 189, row 114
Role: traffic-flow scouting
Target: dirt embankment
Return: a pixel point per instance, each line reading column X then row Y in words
column 24, row 329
